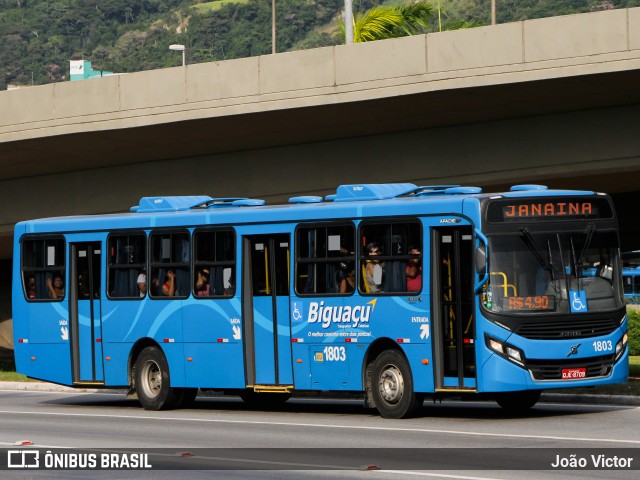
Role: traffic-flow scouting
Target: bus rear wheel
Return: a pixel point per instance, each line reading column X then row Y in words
column 518, row 402
column 392, row 386
column 152, row 380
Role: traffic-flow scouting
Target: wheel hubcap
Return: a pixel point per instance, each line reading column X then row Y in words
column 391, row 384
column 151, row 379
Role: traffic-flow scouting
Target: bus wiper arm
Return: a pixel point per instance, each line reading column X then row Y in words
column 530, row 242
column 587, row 242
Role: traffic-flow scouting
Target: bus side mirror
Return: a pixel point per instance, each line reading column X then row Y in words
column 481, row 260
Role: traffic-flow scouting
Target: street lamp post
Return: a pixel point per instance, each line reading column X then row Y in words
column 273, row 26
column 179, row 48
column 348, row 21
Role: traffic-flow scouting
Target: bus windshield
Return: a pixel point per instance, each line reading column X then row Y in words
column 551, row 273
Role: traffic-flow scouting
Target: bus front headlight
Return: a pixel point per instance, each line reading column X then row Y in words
column 621, row 345
column 505, row 350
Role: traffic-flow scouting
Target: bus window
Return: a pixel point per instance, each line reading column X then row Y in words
column 170, row 265
column 214, row 263
column 325, row 254
column 127, row 266
column 390, row 257
column 43, row 268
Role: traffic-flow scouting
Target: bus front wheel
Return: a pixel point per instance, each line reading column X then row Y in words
column 392, row 386
column 152, row 380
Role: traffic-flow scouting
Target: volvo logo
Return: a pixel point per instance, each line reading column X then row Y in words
column 574, row 350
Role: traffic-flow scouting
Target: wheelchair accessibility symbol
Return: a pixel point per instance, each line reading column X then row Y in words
column 296, row 314
column 578, row 299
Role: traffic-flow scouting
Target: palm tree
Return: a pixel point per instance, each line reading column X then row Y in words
column 391, row 21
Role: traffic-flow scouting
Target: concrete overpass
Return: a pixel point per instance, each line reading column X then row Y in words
column 552, row 101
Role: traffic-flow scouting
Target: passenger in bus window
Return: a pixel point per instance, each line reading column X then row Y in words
column 56, row 286
column 31, row 287
column 202, row 286
column 169, row 285
column 348, row 282
column 142, row 283
column 374, row 268
column 414, row 271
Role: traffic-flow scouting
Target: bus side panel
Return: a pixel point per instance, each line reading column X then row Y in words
column 127, row 321
column 214, row 365
column 47, row 339
column 213, row 343
column 422, row 374
column 335, row 366
column 301, row 366
column 116, row 364
column 174, row 352
column 338, row 331
column 43, row 356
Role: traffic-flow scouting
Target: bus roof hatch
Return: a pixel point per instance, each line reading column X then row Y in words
column 169, row 204
column 372, row 191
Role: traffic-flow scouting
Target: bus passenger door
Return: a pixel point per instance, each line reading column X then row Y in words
column 452, row 296
column 85, row 312
column 266, row 276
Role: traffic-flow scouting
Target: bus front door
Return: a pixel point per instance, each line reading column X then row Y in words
column 85, row 313
column 453, row 323
column 267, row 331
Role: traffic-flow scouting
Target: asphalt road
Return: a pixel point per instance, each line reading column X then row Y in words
column 332, row 438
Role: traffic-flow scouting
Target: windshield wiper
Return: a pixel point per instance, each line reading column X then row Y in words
column 530, row 242
column 587, row 242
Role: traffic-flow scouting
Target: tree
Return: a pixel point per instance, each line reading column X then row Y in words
column 391, row 21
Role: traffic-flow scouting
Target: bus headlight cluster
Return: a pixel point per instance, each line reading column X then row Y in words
column 505, row 350
column 621, row 345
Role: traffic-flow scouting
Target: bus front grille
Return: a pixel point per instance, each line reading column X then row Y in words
column 552, row 370
column 563, row 330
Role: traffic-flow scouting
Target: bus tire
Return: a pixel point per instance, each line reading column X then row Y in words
column 152, row 380
column 392, row 386
column 518, row 402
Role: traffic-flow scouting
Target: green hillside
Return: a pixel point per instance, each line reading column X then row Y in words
column 38, row 37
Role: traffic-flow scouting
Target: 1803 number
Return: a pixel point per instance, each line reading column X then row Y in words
column 603, row 346
column 335, row 354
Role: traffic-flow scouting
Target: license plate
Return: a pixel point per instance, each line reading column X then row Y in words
column 571, row 373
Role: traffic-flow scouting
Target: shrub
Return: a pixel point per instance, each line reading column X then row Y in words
column 634, row 331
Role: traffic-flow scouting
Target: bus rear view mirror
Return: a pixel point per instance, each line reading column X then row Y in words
column 481, row 260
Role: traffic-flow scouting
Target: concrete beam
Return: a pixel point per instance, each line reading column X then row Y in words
column 534, row 50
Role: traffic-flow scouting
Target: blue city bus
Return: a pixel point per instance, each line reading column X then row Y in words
column 394, row 291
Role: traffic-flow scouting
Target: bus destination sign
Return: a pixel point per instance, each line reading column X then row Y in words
column 544, row 209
